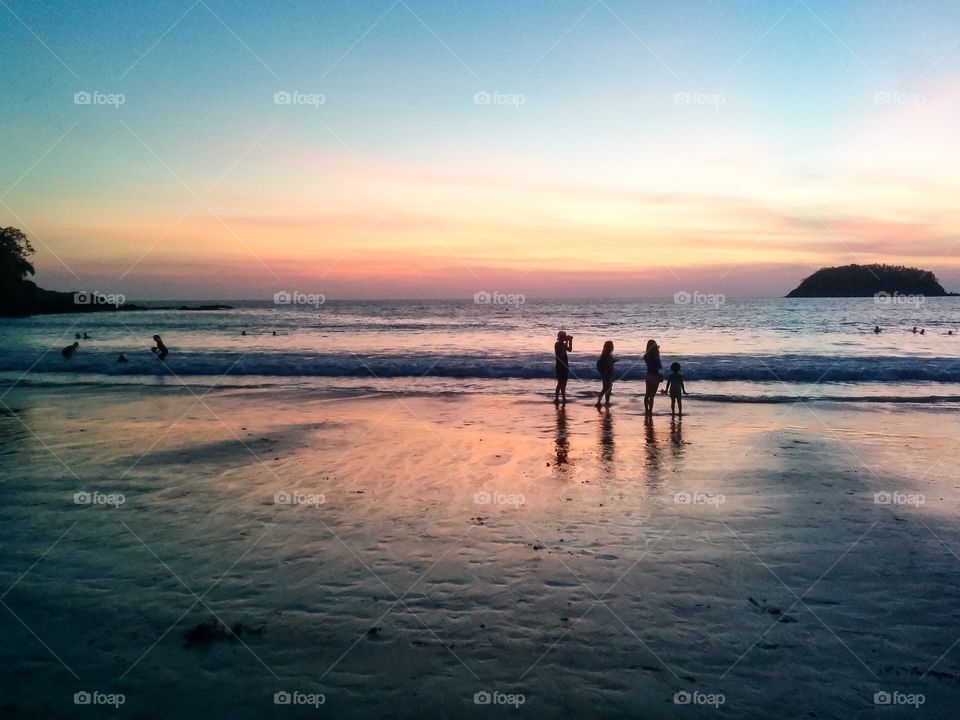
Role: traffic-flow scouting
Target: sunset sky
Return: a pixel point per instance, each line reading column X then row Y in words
column 434, row 149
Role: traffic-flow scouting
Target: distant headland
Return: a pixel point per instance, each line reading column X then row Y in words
column 29, row 299
column 869, row 280
column 20, row 297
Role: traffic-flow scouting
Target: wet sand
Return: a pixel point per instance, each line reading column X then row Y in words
column 400, row 554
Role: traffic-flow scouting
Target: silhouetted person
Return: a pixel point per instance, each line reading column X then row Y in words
column 561, row 347
column 652, row 358
column 675, row 389
column 69, row 350
column 914, row 329
column 86, row 337
column 877, row 330
column 605, row 368
column 160, row 349
column 923, row 331
column 244, row 332
column 121, row 358
column 77, row 336
column 274, row 332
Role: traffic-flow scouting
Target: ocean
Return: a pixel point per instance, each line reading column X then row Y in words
column 731, row 350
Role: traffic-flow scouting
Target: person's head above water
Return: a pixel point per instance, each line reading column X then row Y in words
column 675, row 367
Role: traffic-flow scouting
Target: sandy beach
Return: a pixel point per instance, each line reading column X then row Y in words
column 434, row 555
column 292, row 298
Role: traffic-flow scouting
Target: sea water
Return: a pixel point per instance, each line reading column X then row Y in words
column 740, row 350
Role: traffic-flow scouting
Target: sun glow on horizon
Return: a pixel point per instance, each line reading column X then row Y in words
column 597, row 182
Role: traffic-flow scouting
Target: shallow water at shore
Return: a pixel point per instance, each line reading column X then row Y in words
column 738, row 340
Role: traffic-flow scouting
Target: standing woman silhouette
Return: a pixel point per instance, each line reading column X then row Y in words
column 605, row 368
column 652, row 358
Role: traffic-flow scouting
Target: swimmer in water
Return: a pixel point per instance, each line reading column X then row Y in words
column 160, row 349
column 69, row 350
column 122, row 358
column 877, row 330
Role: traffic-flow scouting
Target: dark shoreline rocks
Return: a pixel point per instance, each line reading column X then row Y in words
column 34, row 300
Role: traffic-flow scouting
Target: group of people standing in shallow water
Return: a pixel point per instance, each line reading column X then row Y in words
column 605, row 365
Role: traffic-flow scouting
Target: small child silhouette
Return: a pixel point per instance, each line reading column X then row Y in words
column 675, row 389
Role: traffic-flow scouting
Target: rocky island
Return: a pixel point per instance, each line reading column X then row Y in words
column 867, row 281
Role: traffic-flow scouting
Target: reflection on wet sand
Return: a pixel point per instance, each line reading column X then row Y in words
column 606, row 436
column 562, row 440
column 652, row 459
column 676, row 436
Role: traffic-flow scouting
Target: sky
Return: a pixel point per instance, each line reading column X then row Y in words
column 423, row 148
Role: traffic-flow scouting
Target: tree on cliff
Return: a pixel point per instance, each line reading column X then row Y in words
column 15, row 249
